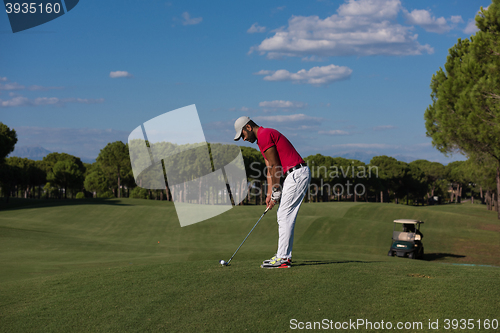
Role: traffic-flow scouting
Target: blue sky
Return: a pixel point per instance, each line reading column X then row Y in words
column 335, row 77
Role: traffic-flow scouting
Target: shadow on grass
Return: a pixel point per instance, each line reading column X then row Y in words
column 330, row 262
column 440, row 256
column 17, row 203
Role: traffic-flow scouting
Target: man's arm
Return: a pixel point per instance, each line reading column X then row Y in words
column 274, row 170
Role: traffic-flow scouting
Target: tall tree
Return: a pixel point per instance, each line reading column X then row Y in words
column 457, row 176
column 20, row 165
column 96, row 181
column 482, row 172
column 48, row 163
column 114, row 160
column 255, row 167
column 39, row 176
column 465, row 112
column 434, row 172
column 51, row 159
column 8, row 139
column 319, row 166
column 67, row 175
column 10, row 176
column 392, row 174
column 415, row 182
column 30, row 175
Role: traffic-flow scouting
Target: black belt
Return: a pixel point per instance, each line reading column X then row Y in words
column 292, row 169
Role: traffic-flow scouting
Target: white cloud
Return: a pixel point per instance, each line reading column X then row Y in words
column 471, row 27
column 422, row 145
column 294, row 118
column 118, row 74
column 83, row 100
column 430, row 23
column 17, row 86
column 264, row 72
column 364, row 145
column 383, row 127
column 384, row 9
column 308, row 128
column 188, row 20
column 361, row 27
column 20, row 101
column 41, row 88
column 316, row 76
column 456, row 19
column 44, row 101
column 256, row 28
column 13, row 102
column 11, row 86
column 334, row 132
column 242, row 109
column 283, row 104
column 312, row 58
column 3, row 78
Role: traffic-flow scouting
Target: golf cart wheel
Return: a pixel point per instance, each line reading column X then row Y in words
column 391, row 253
column 411, row 255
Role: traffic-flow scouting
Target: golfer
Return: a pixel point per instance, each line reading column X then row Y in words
column 281, row 159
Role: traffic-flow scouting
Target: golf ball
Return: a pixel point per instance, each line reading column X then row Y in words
column 222, row 262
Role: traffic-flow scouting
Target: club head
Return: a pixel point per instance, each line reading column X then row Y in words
column 223, row 262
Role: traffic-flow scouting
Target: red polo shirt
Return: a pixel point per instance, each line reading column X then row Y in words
column 268, row 137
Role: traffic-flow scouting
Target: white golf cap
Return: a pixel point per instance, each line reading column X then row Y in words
column 238, row 126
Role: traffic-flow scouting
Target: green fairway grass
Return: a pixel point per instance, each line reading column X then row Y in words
column 127, row 265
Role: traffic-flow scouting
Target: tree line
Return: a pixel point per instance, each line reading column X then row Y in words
column 61, row 175
column 384, row 179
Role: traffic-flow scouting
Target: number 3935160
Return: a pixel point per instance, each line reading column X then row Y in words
column 32, row 8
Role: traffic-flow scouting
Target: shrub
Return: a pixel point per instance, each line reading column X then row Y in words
column 139, row 193
column 105, row 195
column 80, row 195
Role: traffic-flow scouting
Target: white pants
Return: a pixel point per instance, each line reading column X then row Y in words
column 294, row 190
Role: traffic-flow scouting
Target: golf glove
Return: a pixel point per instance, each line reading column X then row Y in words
column 276, row 195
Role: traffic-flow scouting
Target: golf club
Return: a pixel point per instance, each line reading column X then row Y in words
column 224, row 263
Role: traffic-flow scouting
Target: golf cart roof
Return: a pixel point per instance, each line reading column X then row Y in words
column 406, row 221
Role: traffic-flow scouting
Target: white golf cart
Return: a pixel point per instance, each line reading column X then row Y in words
column 407, row 239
